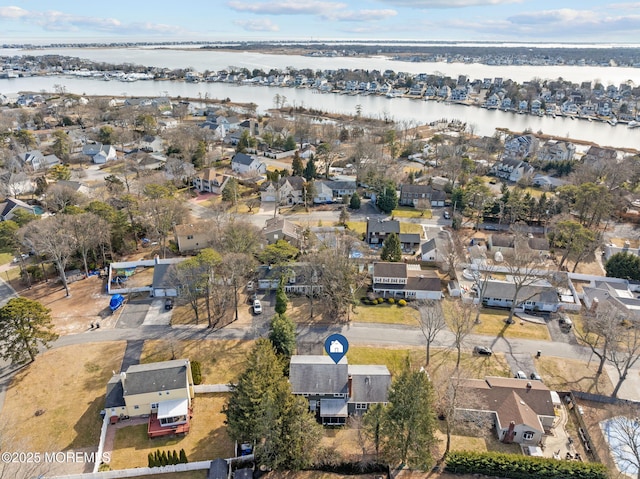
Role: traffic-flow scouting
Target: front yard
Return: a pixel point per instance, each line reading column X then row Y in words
column 386, row 313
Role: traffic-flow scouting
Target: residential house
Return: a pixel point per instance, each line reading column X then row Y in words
column 611, row 294
column 342, row 188
column 540, row 296
column 377, row 231
column 192, row 237
column 251, row 125
column 99, row 153
column 409, row 242
column 337, row 391
column 493, row 101
column 245, row 164
column 307, row 152
column 219, row 131
column 152, row 144
column 280, row 228
column 505, row 244
column 162, row 391
column 555, row 151
column 519, row 147
column 512, row 169
column 9, row 207
column 600, row 156
column 536, row 107
column 288, row 190
column 324, row 193
column 210, row 180
column 405, row 281
column 429, row 251
column 416, row 195
column 522, row 411
column 300, row 278
column 37, row 161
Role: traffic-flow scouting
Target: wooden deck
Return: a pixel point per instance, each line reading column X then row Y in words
column 155, row 429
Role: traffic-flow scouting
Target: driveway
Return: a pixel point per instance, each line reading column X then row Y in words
column 6, row 292
column 133, row 313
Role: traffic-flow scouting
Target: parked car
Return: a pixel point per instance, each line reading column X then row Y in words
column 535, row 375
column 168, row 304
column 521, row 375
column 565, row 322
column 257, row 306
column 446, row 215
column 483, row 350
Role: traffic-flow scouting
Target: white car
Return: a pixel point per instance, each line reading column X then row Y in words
column 257, row 306
column 521, row 375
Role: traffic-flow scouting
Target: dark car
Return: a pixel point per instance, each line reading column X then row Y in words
column 483, row 350
column 535, row 376
column 168, row 304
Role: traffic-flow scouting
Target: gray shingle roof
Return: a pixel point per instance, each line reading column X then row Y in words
column 369, row 383
column 316, row 374
column 428, row 246
column 114, row 397
column 390, row 270
column 153, row 377
column 243, row 159
column 391, row 226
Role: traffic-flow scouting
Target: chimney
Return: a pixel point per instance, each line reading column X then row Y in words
column 594, row 305
column 508, row 437
column 123, row 376
column 350, row 386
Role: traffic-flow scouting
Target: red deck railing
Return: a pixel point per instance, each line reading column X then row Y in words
column 155, row 429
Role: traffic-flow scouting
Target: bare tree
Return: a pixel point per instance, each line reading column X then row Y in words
column 51, row 237
column 524, row 269
column 161, row 215
column 58, row 197
column 431, row 321
column 461, row 323
column 89, row 232
column 234, row 270
column 625, row 354
column 600, row 333
column 624, row 430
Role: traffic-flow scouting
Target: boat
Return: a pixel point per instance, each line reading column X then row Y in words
column 613, row 121
column 633, row 124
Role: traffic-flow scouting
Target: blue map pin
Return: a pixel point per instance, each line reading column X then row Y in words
column 336, row 347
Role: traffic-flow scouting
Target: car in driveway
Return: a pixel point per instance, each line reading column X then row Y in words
column 565, row 322
column 521, row 375
column 483, row 351
column 534, row 375
column 168, row 304
column 257, row 306
column 446, row 215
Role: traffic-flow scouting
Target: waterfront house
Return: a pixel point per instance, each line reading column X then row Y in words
column 556, row 150
column 512, row 169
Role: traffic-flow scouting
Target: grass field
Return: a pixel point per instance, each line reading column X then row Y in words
column 442, row 361
column 407, row 212
column 207, row 438
column 359, row 227
column 221, row 361
column 386, row 313
column 6, row 258
column 66, row 386
column 570, row 374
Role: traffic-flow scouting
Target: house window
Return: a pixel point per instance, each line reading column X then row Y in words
column 361, row 405
column 136, row 407
column 527, row 435
column 154, row 405
column 338, row 395
column 189, row 237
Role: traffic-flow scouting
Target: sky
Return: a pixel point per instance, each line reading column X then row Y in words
column 583, row 21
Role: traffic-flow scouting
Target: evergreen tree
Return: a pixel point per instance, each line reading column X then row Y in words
column 355, row 202
column 174, row 457
column 409, row 421
column 230, row 191
column 283, row 335
column 290, row 143
column 623, row 265
column 151, row 460
column 391, row 249
column 387, row 200
column 243, row 142
column 344, row 217
column 164, row 460
column 296, row 165
column 183, row 457
column 281, row 298
column 310, row 172
column 25, row 327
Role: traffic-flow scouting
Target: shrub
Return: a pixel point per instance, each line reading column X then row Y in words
column 196, row 372
column 391, row 301
column 402, row 302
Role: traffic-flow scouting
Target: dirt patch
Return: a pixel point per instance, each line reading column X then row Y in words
column 87, row 304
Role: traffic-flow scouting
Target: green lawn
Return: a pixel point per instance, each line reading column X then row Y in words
column 6, row 258
column 386, row 313
column 359, row 227
column 492, row 324
column 407, row 212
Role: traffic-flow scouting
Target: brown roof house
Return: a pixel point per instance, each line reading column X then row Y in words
column 523, row 411
column 192, row 237
column 282, row 229
column 163, row 391
column 405, row 281
column 210, row 181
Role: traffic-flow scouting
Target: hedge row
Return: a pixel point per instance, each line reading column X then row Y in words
column 196, row 372
column 165, row 458
column 521, row 467
column 375, row 301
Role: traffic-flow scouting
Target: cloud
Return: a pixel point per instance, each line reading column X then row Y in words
column 259, row 25
column 13, row 12
column 332, row 11
column 360, row 15
column 447, row 3
column 287, row 7
column 59, row 21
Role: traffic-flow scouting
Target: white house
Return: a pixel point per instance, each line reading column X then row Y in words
column 242, row 163
column 99, row 153
column 405, row 281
